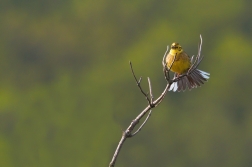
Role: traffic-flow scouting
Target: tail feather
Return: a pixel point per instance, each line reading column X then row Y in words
column 204, row 74
column 188, row 84
column 199, row 75
column 179, row 83
column 184, row 84
column 196, row 79
column 193, row 80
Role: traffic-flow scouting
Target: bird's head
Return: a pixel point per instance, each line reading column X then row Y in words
column 176, row 47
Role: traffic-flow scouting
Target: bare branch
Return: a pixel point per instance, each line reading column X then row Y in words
column 119, row 146
column 139, row 84
column 146, row 119
column 197, row 59
column 150, row 89
column 152, row 104
column 165, row 69
column 167, row 72
column 128, row 132
column 165, row 55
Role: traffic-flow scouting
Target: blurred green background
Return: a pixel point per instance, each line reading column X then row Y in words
column 67, row 93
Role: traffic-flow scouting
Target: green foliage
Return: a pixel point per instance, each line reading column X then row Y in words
column 66, row 90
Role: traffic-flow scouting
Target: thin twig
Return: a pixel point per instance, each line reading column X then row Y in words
column 197, row 59
column 142, row 124
column 165, row 69
column 165, row 55
column 139, row 84
column 169, row 69
column 150, row 89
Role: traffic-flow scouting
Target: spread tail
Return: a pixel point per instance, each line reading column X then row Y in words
column 192, row 80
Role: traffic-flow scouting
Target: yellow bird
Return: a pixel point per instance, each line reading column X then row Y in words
column 180, row 63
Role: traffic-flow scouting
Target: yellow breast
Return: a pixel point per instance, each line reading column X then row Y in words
column 181, row 64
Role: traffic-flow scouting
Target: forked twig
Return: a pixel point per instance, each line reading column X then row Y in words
column 146, row 119
column 152, row 104
column 139, row 84
column 197, row 59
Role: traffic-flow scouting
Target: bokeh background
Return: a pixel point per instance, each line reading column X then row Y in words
column 67, row 92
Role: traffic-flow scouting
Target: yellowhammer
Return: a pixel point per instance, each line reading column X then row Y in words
column 180, row 63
